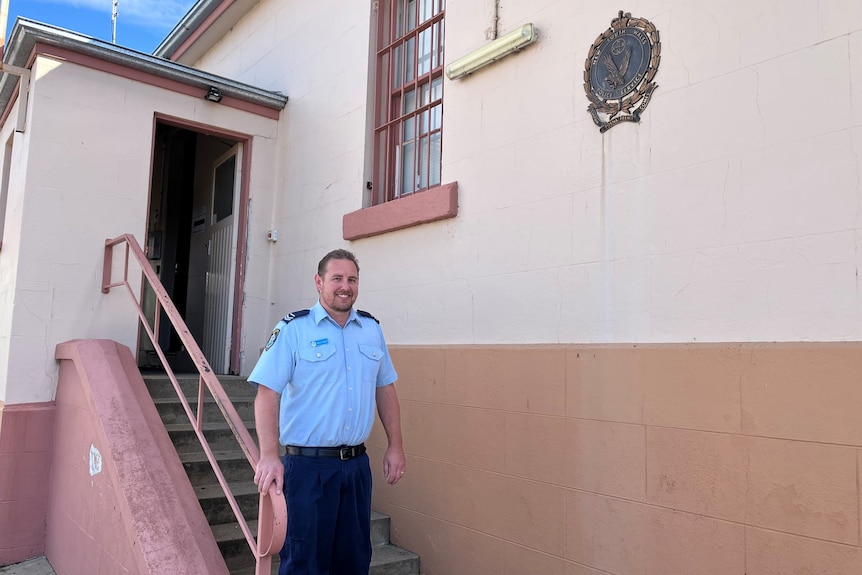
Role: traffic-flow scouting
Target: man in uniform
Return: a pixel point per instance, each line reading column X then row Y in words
column 318, row 379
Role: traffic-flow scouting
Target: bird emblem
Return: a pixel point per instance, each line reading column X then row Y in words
column 616, row 74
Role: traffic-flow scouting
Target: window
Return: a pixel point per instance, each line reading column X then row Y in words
column 409, row 115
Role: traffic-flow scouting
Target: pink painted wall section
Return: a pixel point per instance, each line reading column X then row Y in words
column 26, row 436
column 428, row 206
column 119, row 499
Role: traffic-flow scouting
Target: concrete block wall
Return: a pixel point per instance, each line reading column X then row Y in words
column 677, row 459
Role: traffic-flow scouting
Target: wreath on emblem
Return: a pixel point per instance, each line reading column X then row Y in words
column 620, row 68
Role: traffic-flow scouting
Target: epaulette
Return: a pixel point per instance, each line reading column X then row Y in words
column 366, row 314
column 293, row 315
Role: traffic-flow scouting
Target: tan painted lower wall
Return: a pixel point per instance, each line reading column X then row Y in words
column 713, row 459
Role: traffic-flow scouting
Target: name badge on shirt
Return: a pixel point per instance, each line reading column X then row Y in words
column 317, row 342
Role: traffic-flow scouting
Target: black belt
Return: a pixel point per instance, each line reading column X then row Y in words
column 344, row 453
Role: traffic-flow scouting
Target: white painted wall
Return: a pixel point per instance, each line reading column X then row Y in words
column 87, row 179
column 10, row 252
column 731, row 213
column 317, row 54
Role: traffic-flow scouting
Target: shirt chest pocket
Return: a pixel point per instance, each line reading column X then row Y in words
column 317, row 353
column 370, row 357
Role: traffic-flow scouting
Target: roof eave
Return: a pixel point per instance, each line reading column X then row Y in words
column 27, row 33
column 201, row 28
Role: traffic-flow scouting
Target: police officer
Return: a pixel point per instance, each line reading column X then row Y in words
column 318, row 379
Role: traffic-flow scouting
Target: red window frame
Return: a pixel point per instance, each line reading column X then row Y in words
column 409, row 98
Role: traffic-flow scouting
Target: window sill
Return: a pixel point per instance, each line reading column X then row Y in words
column 437, row 203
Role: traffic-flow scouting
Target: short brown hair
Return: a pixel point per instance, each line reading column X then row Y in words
column 336, row 255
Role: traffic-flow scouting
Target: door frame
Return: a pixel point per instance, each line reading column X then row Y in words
column 245, row 140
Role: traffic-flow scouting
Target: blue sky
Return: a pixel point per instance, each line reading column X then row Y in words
column 141, row 24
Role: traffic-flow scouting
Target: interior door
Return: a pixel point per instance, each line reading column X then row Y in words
column 221, row 260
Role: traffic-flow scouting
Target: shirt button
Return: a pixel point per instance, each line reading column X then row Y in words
column 373, row 354
column 346, row 349
column 318, row 355
column 348, row 368
column 349, row 389
column 349, row 409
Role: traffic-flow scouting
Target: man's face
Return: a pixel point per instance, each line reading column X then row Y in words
column 339, row 286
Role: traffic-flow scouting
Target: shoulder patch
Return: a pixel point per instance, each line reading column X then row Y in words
column 366, row 314
column 295, row 314
column 272, row 338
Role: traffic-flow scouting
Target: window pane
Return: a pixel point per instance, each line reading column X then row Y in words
column 397, row 170
column 435, row 43
column 395, row 109
column 408, row 130
column 223, row 189
column 398, row 65
column 424, row 52
column 426, row 93
column 423, row 164
column 434, row 179
column 407, row 169
column 409, row 68
column 436, row 117
column 424, row 10
column 381, row 181
column 437, row 89
column 411, row 15
column 409, row 102
column 423, row 123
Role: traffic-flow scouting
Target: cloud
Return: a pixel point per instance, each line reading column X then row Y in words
column 158, row 14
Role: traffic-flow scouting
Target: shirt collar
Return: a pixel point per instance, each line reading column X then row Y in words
column 318, row 313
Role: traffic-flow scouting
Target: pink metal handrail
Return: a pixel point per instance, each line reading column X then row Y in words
column 272, row 514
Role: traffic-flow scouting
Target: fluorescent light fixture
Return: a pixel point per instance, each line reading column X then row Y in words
column 493, row 51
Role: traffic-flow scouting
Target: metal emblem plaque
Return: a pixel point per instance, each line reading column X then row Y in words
column 620, row 68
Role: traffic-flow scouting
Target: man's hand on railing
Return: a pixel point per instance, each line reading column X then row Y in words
column 269, row 470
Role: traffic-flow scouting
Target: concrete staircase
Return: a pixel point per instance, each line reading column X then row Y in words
column 387, row 559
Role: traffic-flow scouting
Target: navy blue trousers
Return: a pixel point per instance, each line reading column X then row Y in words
column 328, row 516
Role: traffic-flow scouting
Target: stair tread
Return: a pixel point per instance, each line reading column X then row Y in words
column 231, row 531
column 205, row 426
column 214, row 491
column 194, row 400
column 220, row 455
column 389, row 553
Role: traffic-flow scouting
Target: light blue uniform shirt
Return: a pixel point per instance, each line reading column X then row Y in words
column 327, row 377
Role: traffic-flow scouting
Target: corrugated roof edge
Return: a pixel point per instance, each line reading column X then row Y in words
column 189, row 23
column 26, row 33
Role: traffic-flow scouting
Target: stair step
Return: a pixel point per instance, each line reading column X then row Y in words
column 386, row 559
column 215, row 505
column 391, row 560
column 172, row 411
column 219, row 436
column 233, row 464
column 160, row 386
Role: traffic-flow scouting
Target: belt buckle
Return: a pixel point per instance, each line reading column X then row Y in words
column 345, row 453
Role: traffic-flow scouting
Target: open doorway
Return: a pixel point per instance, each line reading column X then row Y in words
column 192, row 242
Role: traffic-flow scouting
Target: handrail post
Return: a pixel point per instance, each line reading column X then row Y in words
column 272, row 515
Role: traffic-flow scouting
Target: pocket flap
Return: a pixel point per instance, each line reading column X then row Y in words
column 371, row 352
column 317, row 353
